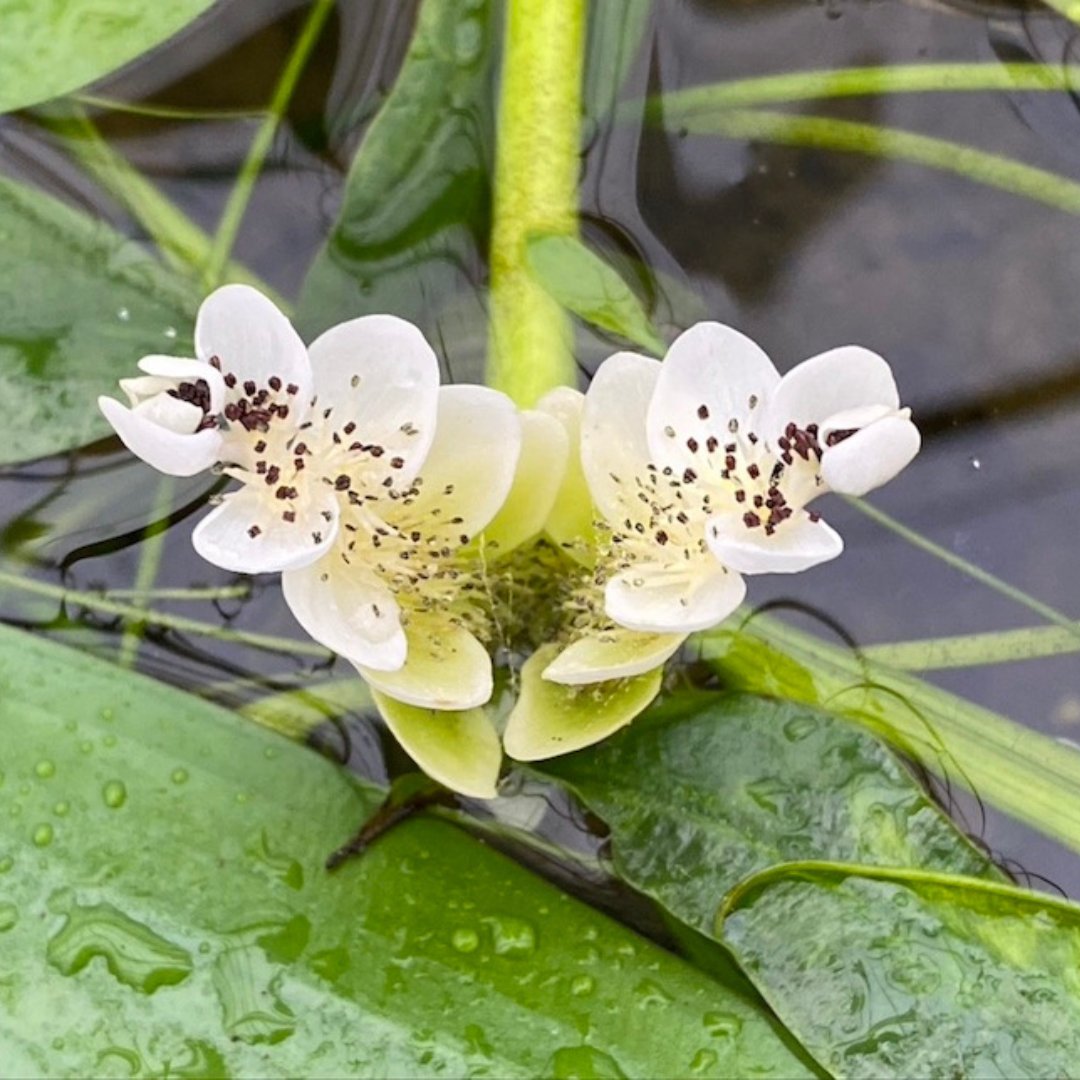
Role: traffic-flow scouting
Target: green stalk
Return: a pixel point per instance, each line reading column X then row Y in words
column 972, row 650
column 883, row 142
column 133, row 613
column 676, row 106
column 538, row 142
column 240, row 195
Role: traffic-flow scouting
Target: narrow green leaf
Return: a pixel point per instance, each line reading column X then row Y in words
column 295, row 713
column 79, row 305
column 51, row 47
column 885, row 973
column 709, row 789
column 971, row 650
column 164, row 911
column 586, row 285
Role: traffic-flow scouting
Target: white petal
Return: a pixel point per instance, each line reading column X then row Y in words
column 615, row 654
column 711, row 375
column 470, row 468
column 570, row 523
column 541, row 465
column 167, row 451
column 379, row 372
column 445, row 668
column 833, row 382
column 670, row 599
column 352, row 614
column 458, row 749
column 170, row 413
column 252, row 340
column 180, row 368
column 224, row 537
column 614, row 449
column 550, row 719
column 871, row 457
column 797, row 544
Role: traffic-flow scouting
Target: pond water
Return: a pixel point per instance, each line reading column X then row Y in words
column 970, row 291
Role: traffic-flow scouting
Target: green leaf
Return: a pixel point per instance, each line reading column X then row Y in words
column 79, row 305
column 895, row 974
column 295, row 713
column 413, row 222
column 708, row 789
column 51, row 47
column 164, row 911
column 586, row 285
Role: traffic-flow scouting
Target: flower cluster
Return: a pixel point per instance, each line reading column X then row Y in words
column 422, row 529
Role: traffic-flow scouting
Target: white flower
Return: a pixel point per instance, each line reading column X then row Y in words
column 306, row 431
column 703, row 466
column 397, row 592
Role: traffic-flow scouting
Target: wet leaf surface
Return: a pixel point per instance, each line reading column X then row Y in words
column 164, row 910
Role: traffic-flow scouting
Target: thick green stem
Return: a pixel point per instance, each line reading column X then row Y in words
column 536, row 180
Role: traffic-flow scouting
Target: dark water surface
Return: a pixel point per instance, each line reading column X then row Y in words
column 971, row 293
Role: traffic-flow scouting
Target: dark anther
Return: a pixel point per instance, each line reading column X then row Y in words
column 273, row 474
column 397, row 463
column 260, row 446
column 342, row 483
column 740, row 495
column 750, row 519
column 254, row 531
column 275, row 383
column 835, row 437
column 215, row 362
column 661, row 537
column 814, row 516
column 230, row 380
column 754, row 472
column 692, row 445
column 689, row 476
column 249, row 387
column 711, row 443
column 349, row 428
column 376, row 451
column 292, row 388
column 703, row 412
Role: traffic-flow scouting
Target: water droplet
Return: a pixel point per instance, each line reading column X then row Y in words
column 582, row 985
column 123, row 314
column 45, row 769
column 722, row 1025
column 650, row 994
column 179, row 776
column 247, row 986
column 465, row 940
column 109, row 740
column 6, row 863
column 108, row 715
column 704, row 1060
column 976, row 464
column 170, row 332
column 511, row 936
column 62, row 808
column 583, row 1063
column 43, row 835
column 133, row 953
column 86, row 747
column 9, row 916
column 271, row 752
column 115, row 794
column 797, row 729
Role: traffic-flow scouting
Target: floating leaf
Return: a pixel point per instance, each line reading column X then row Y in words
column 164, row 911
column 710, row 789
column 894, row 974
column 586, row 285
column 79, row 305
column 51, row 47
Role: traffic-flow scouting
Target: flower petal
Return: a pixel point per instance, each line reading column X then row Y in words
column 871, row 457
column 379, row 372
column 797, row 544
column 550, row 719
column 170, row 452
column 252, row 340
column 571, row 520
column 470, row 468
column 224, row 537
column 670, row 598
column 614, row 654
column 348, row 612
column 459, row 749
column 832, row 382
column 179, row 367
column 613, row 446
column 445, row 668
column 711, row 376
column 540, row 468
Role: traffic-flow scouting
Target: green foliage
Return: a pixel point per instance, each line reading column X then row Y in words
column 50, row 47
column 708, row 789
column 893, row 973
column 164, row 910
column 586, row 285
column 79, row 304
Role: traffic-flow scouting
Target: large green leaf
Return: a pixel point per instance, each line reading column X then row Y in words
column 897, row 974
column 164, row 911
column 709, row 789
column 412, row 226
column 51, row 47
column 79, row 305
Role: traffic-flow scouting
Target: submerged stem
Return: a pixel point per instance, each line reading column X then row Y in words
column 972, row 650
column 240, row 195
column 530, row 350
